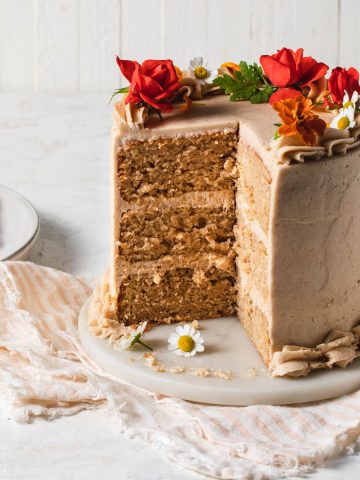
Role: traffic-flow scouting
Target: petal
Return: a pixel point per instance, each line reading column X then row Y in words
column 196, row 62
column 186, row 329
column 278, row 74
column 179, row 352
column 156, row 69
column 192, row 331
column 354, row 73
column 196, row 335
column 173, row 337
column 292, row 60
column 127, row 67
column 312, row 71
column 180, row 330
column 192, row 353
column 200, row 348
column 283, row 94
column 212, row 76
column 172, row 347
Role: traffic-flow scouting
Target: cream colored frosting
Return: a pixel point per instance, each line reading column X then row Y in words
column 101, row 314
column 157, row 268
column 339, row 349
column 334, row 142
column 132, row 115
column 220, row 198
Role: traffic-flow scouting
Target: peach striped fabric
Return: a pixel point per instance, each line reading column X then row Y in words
column 43, row 372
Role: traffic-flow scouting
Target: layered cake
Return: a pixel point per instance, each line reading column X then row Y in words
column 248, row 207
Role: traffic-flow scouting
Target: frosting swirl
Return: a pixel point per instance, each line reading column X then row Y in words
column 101, row 314
column 339, row 348
column 133, row 115
column 334, row 142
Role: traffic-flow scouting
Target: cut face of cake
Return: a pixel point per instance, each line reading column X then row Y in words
column 207, row 223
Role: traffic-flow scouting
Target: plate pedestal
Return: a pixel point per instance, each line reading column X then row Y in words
column 227, row 348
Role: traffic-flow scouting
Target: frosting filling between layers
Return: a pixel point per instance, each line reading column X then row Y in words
column 157, row 268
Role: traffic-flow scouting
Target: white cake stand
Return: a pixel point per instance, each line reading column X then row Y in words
column 227, row 348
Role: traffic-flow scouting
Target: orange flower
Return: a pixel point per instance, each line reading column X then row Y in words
column 230, row 68
column 299, row 119
column 178, row 73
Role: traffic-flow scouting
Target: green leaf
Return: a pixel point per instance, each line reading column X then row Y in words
column 277, row 134
column 247, row 84
column 119, row 92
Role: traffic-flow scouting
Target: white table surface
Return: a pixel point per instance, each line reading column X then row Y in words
column 54, row 150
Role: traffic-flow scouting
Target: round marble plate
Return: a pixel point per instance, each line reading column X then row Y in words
column 227, row 348
column 19, row 225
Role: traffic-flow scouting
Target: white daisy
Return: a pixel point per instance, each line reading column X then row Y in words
column 132, row 337
column 203, row 72
column 186, row 341
column 344, row 119
column 350, row 103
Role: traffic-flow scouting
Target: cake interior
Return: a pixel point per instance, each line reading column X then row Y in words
column 191, row 231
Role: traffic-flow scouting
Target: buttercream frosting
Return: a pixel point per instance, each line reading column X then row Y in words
column 101, row 314
column 339, row 349
column 333, row 142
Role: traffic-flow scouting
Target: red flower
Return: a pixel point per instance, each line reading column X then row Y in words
column 341, row 80
column 291, row 71
column 152, row 82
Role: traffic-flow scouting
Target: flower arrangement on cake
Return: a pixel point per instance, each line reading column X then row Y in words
column 295, row 86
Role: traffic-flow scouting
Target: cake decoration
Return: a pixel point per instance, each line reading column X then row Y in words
column 342, row 81
column 345, row 119
column 339, row 349
column 186, row 341
column 292, row 73
column 298, row 118
column 132, row 337
column 285, row 79
column 200, row 70
column 246, row 83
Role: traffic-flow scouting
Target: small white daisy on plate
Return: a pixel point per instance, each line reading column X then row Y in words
column 350, row 103
column 186, row 341
column 344, row 119
column 132, row 337
column 203, row 72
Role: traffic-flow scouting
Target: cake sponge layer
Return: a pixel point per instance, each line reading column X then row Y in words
column 151, row 234
column 252, row 257
column 254, row 184
column 171, row 166
column 178, row 294
column 255, row 323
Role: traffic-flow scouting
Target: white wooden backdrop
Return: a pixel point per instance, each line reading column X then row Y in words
column 69, row 45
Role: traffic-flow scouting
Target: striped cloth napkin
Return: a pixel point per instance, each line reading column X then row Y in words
column 44, row 372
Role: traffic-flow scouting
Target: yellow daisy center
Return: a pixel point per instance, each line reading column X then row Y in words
column 186, row 343
column 201, row 73
column 343, row 123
